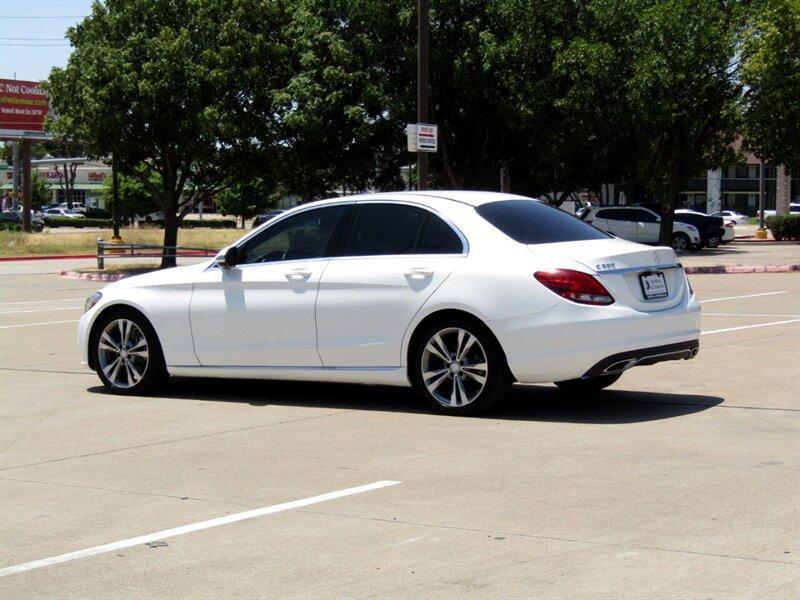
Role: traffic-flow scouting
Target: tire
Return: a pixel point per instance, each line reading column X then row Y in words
column 680, row 242
column 589, row 386
column 459, row 386
column 713, row 242
column 126, row 353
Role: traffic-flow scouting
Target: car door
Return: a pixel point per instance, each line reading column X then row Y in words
column 647, row 225
column 261, row 312
column 620, row 224
column 395, row 257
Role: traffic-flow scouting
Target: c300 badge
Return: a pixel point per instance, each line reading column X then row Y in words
column 605, row 266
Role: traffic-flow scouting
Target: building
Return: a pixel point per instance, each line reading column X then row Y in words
column 89, row 179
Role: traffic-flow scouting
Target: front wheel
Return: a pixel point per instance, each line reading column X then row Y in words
column 589, row 385
column 713, row 242
column 127, row 354
column 680, row 242
column 459, row 367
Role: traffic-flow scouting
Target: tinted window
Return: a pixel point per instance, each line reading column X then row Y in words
column 532, row 222
column 438, row 238
column 382, row 229
column 302, row 236
column 614, row 215
column 644, row 216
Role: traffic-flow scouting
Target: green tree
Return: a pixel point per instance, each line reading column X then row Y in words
column 170, row 84
column 683, row 93
column 40, row 191
column 771, row 76
column 134, row 197
column 247, row 198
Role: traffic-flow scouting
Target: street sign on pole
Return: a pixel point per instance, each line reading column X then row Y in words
column 422, row 137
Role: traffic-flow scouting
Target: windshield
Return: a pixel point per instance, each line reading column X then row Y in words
column 533, row 222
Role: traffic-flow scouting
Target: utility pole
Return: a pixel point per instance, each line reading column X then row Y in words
column 115, row 196
column 423, row 30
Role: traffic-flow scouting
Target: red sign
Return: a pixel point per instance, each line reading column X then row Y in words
column 23, row 106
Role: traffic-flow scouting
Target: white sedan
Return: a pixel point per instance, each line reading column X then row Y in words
column 732, row 216
column 458, row 294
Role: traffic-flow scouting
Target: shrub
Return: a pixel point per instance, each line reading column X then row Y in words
column 784, row 227
column 78, row 223
column 98, row 213
column 9, row 226
column 209, row 224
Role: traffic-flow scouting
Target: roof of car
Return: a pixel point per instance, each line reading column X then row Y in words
column 472, row 198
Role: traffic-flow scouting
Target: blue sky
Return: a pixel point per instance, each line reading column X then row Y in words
column 32, row 35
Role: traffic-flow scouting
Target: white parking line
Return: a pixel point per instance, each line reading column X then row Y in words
column 168, row 533
column 35, row 324
column 747, row 296
column 705, row 314
column 749, row 326
column 14, row 311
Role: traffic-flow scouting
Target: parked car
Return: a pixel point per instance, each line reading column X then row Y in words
column 729, row 232
column 794, row 207
column 62, row 212
column 711, row 228
column 77, row 207
column 458, row 294
column 642, row 225
column 11, row 216
column 153, row 217
column 263, row 218
column 731, row 215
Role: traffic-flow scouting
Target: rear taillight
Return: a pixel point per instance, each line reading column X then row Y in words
column 575, row 285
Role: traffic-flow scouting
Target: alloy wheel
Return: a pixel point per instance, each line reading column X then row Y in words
column 454, row 367
column 123, row 353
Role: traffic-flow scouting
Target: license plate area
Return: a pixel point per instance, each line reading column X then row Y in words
column 654, row 285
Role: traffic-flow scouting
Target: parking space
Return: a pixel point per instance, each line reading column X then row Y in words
column 681, row 480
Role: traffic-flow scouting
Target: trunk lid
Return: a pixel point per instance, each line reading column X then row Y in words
column 619, row 265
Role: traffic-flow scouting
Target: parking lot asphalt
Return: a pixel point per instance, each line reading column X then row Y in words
column 680, row 481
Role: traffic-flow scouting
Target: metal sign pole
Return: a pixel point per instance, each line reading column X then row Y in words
column 26, row 185
column 423, row 23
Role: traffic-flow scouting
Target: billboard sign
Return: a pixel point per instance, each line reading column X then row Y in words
column 23, row 107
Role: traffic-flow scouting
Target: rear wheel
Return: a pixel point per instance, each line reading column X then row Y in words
column 680, row 242
column 459, row 367
column 127, row 354
column 590, row 385
column 713, row 241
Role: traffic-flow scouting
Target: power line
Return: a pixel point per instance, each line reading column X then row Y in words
column 19, row 39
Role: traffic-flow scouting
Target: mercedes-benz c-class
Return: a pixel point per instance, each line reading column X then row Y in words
column 458, row 294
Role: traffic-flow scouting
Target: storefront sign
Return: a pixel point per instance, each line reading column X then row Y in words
column 23, row 107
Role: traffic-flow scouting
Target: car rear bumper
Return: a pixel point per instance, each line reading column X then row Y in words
column 623, row 361
column 571, row 341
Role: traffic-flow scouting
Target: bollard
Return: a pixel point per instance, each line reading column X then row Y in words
column 100, row 261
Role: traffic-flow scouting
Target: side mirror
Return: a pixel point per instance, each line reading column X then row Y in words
column 227, row 258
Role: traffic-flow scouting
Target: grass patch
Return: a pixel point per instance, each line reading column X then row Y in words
column 17, row 243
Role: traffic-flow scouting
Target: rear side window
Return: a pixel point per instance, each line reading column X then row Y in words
column 438, row 238
column 532, row 222
column 382, row 229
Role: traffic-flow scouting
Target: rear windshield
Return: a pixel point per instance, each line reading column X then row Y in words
column 532, row 222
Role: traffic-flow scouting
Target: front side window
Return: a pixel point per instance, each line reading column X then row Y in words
column 533, row 222
column 299, row 237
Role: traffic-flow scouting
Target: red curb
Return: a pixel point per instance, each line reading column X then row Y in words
column 185, row 253
column 721, row 269
column 47, row 257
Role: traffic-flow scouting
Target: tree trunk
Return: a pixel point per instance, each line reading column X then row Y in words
column 505, row 179
column 171, row 223
column 669, row 203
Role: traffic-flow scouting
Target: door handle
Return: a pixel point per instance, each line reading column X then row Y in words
column 419, row 273
column 298, row 275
